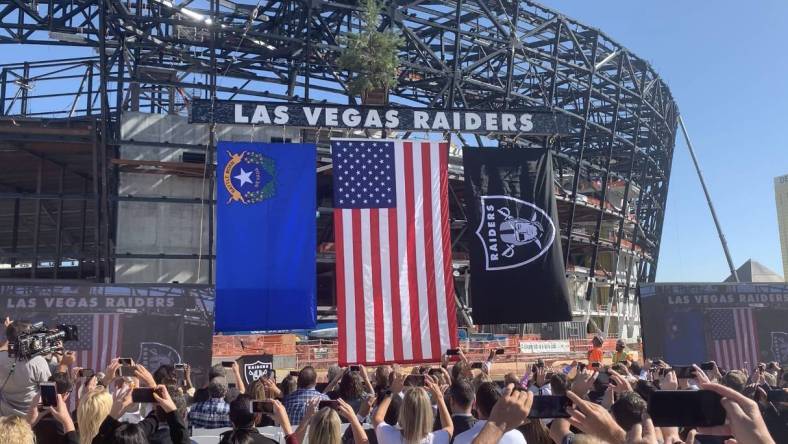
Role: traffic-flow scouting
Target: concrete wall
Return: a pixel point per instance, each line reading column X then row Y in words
column 161, row 227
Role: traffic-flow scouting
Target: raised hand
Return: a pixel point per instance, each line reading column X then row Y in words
column 593, row 419
column 743, row 415
column 162, row 397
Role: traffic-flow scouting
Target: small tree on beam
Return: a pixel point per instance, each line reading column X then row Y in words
column 371, row 56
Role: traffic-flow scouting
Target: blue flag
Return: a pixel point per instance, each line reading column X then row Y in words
column 266, row 236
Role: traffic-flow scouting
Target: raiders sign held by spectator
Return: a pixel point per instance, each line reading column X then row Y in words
column 256, row 366
column 516, row 121
column 516, row 258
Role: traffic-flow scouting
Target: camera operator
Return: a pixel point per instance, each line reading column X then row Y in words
column 19, row 379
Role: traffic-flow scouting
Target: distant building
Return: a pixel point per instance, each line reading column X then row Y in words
column 781, row 197
column 754, row 271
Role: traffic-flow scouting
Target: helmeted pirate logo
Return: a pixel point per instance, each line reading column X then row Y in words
column 154, row 354
column 255, row 370
column 513, row 232
column 249, row 177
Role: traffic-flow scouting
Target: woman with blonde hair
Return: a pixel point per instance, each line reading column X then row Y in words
column 16, row 430
column 93, row 409
column 415, row 417
column 324, row 426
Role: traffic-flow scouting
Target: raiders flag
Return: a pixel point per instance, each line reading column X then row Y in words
column 517, row 268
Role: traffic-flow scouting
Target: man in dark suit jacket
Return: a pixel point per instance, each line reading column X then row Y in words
column 461, row 398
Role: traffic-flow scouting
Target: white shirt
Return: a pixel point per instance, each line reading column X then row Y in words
column 510, row 437
column 387, row 434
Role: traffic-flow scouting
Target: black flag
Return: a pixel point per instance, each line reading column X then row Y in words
column 517, row 267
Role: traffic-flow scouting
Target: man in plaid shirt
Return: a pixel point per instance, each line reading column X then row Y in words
column 295, row 403
column 213, row 413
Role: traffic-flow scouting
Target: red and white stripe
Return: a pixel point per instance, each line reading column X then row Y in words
column 742, row 351
column 395, row 289
column 105, row 345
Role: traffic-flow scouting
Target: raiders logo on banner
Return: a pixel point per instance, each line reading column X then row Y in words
column 256, row 366
column 517, row 267
column 513, row 232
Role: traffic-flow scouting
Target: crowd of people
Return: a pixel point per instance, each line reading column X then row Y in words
column 455, row 401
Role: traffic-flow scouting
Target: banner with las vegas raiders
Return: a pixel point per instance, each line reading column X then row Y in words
column 517, row 268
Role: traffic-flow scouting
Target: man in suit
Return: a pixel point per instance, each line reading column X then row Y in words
column 461, row 399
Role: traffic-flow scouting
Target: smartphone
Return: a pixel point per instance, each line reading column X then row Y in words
column 227, row 364
column 478, row 365
column 143, row 394
column 294, row 373
column 686, row 408
column 414, row 380
column 778, row 395
column 453, row 352
column 684, row 372
column 125, row 361
column 603, row 378
column 707, row 366
column 86, row 373
column 595, row 365
column 711, row 439
column 48, row 394
column 180, row 366
column 549, row 406
column 355, row 368
column 330, row 404
column 581, row 366
column 500, row 351
column 266, row 406
column 231, row 385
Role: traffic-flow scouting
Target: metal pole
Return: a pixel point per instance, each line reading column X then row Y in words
column 708, row 200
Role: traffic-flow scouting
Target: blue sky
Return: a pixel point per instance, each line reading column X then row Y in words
column 725, row 64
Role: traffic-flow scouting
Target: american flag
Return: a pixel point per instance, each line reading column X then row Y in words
column 734, row 342
column 99, row 338
column 395, row 288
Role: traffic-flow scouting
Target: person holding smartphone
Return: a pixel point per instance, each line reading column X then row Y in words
column 243, row 423
column 487, row 395
column 46, row 427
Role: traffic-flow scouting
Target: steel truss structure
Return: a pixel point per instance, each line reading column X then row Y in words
column 154, row 56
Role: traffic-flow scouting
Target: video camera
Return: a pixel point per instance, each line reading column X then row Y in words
column 40, row 340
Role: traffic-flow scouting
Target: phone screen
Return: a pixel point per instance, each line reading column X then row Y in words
column 684, row 372
column 477, row 365
column 707, row 366
column 453, row 352
column 603, row 378
column 48, row 394
column 330, row 404
column 549, row 406
column 262, row 406
column 124, row 361
column 595, row 365
column 143, row 394
column 686, row 408
column 355, row 368
column 294, row 374
column 414, row 380
column 227, row 364
column 86, row 373
column 500, row 351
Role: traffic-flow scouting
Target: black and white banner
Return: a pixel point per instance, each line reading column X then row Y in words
column 517, row 267
column 253, row 367
column 520, row 121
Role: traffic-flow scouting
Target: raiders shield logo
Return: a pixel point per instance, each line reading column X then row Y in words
column 254, row 370
column 513, row 232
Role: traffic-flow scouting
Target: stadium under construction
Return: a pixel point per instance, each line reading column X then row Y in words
column 103, row 178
